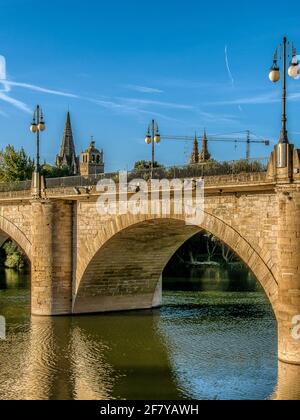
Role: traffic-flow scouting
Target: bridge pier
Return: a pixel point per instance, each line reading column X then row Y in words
column 51, row 288
column 289, row 272
column 284, row 170
column 288, row 386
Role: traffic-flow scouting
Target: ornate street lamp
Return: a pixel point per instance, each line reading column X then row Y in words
column 153, row 137
column 294, row 72
column 37, row 126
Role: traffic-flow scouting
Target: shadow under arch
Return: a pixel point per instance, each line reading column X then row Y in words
column 10, row 230
column 131, row 253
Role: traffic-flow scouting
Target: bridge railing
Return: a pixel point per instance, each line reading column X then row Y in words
column 189, row 171
column 210, row 169
column 15, row 186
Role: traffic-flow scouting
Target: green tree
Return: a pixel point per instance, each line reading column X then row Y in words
column 50, row 171
column 15, row 258
column 15, row 165
column 144, row 165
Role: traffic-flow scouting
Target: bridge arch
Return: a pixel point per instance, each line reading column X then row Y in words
column 9, row 230
column 123, row 267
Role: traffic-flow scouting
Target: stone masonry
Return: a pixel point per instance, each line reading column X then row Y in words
column 84, row 262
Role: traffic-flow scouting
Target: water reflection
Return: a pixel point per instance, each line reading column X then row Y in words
column 126, row 354
column 288, row 387
column 11, row 279
column 235, row 278
column 230, row 341
column 200, row 345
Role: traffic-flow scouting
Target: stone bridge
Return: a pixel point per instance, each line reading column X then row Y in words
column 83, row 262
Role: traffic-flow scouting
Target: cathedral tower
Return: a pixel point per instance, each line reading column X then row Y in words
column 92, row 161
column 67, row 156
column 195, row 155
column 204, row 155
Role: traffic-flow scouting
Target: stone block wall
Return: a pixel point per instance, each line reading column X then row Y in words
column 51, row 278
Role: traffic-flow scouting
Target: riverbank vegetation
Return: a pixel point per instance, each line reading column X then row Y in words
column 11, row 256
column 205, row 263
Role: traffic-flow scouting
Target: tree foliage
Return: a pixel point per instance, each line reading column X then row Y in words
column 212, row 168
column 50, row 171
column 14, row 256
column 15, row 165
column 144, row 165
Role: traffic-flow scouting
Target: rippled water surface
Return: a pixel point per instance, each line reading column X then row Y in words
column 202, row 345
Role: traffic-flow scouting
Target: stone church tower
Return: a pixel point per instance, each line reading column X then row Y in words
column 92, row 161
column 195, row 155
column 67, row 156
column 204, row 155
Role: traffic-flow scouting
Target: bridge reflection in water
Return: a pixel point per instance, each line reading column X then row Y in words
column 288, row 387
column 90, row 358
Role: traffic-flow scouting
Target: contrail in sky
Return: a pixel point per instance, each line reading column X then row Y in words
column 230, row 74
column 41, row 89
column 228, row 67
column 6, row 87
column 129, row 105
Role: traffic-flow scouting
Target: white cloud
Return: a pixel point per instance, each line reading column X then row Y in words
column 251, row 100
column 156, row 103
column 221, row 118
column 7, row 85
column 127, row 109
column 2, row 68
column 143, row 89
column 41, row 89
column 15, row 102
column 122, row 105
column 106, row 104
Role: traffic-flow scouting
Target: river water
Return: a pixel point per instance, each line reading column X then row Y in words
column 199, row 345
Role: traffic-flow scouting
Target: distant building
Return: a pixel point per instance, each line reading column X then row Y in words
column 195, row 155
column 204, row 155
column 92, row 161
column 67, row 156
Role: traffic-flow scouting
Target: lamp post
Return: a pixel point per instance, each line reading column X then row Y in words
column 275, row 76
column 37, row 126
column 153, row 137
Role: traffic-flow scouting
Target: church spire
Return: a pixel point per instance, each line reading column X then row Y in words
column 204, row 155
column 195, row 155
column 67, row 147
column 67, row 155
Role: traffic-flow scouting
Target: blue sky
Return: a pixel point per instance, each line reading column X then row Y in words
column 117, row 64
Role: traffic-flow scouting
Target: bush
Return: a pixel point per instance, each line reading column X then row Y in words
column 54, row 172
column 15, row 261
column 14, row 256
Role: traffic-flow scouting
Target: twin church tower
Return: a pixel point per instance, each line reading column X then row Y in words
column 90, row 162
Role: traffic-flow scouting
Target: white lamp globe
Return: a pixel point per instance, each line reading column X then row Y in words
column 274, row 75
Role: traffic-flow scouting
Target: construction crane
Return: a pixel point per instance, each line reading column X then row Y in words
column 248, row 140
